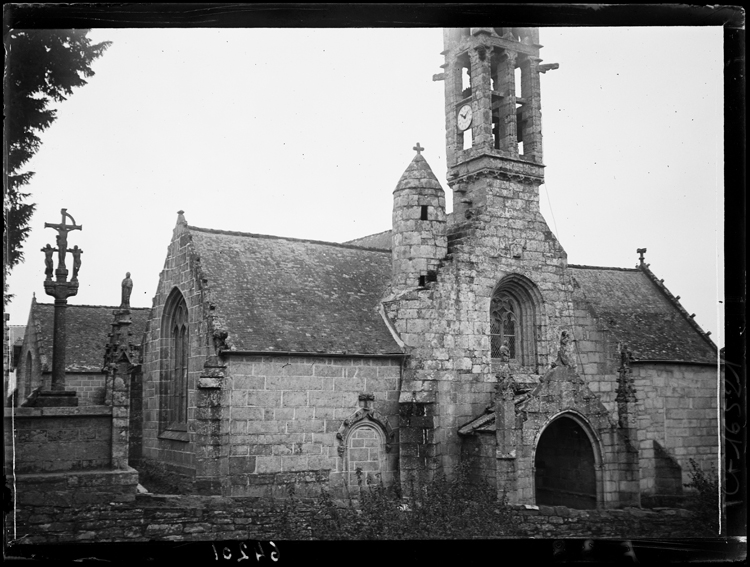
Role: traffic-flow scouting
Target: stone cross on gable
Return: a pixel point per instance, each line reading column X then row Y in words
column 419, row 149
column 641, row 251
column 62, row 235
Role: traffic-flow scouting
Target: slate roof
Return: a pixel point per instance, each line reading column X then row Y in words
column 380, row 240
column 87, row 327
column 289, row 295
column 642, row 313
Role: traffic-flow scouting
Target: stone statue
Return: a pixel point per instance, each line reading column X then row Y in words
column 562, row 352
column 48, row 262
column 76, row 260
column 127, row 288
column 504, row 352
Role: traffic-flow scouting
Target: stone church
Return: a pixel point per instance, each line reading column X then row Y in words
column 461, row 337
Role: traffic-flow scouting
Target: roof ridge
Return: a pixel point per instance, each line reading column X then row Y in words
column 584, row 266
column 94, row 306
column 368, row 235
column 289, row 238
column 659, row 283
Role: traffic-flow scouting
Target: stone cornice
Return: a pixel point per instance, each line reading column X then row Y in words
column 496, row 174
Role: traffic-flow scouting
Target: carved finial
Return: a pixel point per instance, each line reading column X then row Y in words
column 181, row 217
column 419, row 149
column 641, row 251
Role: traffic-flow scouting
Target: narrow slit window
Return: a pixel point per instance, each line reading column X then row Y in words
column 422, row 281
column 423, row 215
column 517, row 76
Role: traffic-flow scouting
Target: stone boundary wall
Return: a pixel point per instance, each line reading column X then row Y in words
column 59, row 439
column 216, row 518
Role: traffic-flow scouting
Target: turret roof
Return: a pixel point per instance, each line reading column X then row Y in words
column 418, row 176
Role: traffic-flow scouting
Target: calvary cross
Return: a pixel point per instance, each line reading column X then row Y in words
column 62, row 236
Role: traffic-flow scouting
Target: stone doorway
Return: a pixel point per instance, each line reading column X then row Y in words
column 565, row 473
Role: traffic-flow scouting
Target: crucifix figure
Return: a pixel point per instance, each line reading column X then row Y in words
column 62, row 236
column 61, row 289
column 419, row 149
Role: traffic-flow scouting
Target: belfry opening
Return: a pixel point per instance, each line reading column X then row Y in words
column 565, row 473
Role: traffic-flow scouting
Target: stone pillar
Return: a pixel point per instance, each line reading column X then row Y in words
column 505, row 424
column 532, row 109
column 629, row 465
column 507, row 81
column 61, row 289
column 212, row 431
column 119, row 364
column 481, row 88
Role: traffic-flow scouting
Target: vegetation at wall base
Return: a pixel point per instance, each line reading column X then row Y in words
column 703, row 500
column 441, row 508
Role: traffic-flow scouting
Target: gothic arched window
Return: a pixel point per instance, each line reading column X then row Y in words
column 175, row 336
column 503, row 326
column 515, row 322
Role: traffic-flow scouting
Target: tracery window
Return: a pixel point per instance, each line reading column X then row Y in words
column 503, row 326
column 515, row 323
column 175, row 378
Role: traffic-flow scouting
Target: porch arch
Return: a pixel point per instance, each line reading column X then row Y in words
column 567, row 465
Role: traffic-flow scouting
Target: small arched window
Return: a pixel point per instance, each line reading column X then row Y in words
column 514, row 322
column 176, row 355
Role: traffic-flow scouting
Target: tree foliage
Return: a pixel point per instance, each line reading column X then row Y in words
column 41, row 66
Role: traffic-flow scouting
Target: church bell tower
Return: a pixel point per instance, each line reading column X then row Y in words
column 492, row 112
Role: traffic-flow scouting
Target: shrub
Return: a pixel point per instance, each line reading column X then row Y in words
column 440, row 508
column 703, row 500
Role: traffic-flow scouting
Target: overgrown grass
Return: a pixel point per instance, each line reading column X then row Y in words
column 441, row 508
column 703, row 499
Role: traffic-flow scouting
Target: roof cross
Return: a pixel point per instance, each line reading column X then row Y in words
column 419, row 149
column 641, row 251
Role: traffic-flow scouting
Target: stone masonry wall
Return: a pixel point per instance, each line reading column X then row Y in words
column 59, row 439
column 447, row 326
column 286, row 412
column 176, row 452
column 89, row 388
column 598, row 354
column 677, row 408
column 212, row 518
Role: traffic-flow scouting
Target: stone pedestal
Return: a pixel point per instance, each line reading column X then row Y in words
column 53, row 399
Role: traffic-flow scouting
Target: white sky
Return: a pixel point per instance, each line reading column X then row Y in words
column 305, row 133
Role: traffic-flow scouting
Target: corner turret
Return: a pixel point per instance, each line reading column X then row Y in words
column 419, row 239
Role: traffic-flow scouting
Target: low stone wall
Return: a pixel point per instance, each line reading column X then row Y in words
column 562, row 522
column 58, row 439
column 71, row 490
column 214, row 518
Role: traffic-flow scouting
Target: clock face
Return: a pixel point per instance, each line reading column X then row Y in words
column 464, row 117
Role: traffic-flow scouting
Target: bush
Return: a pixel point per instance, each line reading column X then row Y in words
column 441, row 508
column 703, row 500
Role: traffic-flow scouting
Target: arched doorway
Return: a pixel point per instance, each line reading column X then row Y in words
column 565, row 466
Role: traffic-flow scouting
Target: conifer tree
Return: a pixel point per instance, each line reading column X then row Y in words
column 41, row 66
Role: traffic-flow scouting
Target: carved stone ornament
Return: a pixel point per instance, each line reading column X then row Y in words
column 516, row 249
column 625, row 382
column 368, row 415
